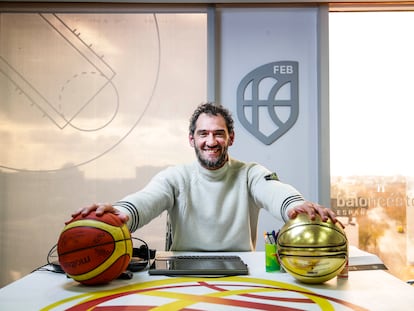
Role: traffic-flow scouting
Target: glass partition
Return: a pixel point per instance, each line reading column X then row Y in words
column 92, row 106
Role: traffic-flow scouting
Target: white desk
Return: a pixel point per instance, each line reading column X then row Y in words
column 364, row 290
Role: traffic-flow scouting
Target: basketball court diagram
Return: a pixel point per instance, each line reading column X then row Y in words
column 53, row 75
column 237, row 293
column 58, row 113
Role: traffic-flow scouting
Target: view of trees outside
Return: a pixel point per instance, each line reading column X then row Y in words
column 374, row 210
column 371, row 94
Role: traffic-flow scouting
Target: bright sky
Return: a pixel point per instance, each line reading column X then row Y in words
column 372, row 93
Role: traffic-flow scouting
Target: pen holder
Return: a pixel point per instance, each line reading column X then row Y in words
column 272, row 262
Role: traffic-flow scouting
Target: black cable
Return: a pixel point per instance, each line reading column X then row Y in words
column 50, row 255
column 144, row 252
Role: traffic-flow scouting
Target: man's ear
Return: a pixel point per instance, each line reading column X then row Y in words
column 191, row 140
column 231, row 138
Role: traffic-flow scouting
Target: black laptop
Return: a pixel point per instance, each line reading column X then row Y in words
column 199, row 265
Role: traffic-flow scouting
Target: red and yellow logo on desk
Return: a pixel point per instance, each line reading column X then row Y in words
column 204, row 294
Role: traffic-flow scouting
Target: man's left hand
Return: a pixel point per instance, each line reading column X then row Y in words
column 313, row 209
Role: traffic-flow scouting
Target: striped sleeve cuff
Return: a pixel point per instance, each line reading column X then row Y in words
column 131, row 210
column 288, row 203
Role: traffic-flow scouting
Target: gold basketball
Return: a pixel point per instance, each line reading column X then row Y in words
column 312, row 251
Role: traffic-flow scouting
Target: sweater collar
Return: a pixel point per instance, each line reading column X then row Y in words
column 214, row 174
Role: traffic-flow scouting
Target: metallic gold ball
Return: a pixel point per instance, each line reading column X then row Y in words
column 312, row 251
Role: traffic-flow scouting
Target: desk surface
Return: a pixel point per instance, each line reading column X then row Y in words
column 260, row 290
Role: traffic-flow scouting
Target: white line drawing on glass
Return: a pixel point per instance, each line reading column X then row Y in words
column 64, row 105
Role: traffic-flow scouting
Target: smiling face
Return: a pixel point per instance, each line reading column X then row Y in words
column 211, row 140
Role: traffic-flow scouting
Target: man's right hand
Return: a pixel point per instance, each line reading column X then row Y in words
column 100, row 209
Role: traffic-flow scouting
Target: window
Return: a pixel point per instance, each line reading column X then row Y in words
column 371, row 106
column 93, row 105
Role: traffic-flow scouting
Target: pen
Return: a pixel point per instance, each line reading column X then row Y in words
column 271, row 238
column 266, row 236
column 275, row 235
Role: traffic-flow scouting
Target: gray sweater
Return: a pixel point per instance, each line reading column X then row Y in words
column 211, row 210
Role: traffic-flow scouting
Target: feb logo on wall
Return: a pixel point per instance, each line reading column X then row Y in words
column 268, row 100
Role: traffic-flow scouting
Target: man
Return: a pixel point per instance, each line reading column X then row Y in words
column 213, row 204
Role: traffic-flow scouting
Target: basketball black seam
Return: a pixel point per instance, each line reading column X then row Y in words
column 339, row 254
column 312, row 246
column 317, row 224
column 93, row 246
column 319, row 276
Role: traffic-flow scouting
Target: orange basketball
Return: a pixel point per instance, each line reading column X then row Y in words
column 94, row 249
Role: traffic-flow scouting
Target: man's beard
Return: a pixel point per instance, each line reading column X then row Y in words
column 212, row 165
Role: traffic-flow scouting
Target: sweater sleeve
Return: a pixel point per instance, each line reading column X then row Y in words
column 148, row 203
column 271, row 194
column 131, row 210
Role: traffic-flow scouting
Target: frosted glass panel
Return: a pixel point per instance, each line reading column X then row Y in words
column 92, row 105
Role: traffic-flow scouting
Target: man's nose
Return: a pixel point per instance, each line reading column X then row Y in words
column 211, row 139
